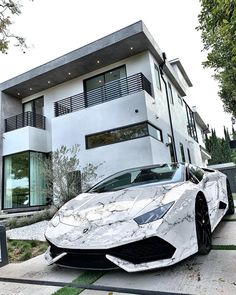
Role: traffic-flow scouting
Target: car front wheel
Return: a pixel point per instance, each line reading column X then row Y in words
column 203, row 226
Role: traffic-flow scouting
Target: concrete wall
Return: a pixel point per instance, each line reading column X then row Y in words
column 25, row 139
column 9, row 106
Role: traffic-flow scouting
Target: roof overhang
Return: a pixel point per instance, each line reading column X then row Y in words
column 182, row 70
column 119, row 45
column 201, row 123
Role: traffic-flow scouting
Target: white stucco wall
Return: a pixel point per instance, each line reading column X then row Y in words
column 72, row 128
column 25, row 139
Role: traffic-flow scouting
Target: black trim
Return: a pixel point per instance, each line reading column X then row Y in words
column 130, row 85
column 143, row 251
column 168, row 105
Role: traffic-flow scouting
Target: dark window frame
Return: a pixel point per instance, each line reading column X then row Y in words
column 29, row 172
column 25, row 113
column 103, row 74
column 121, row 128
column 157, row 76
column 189, row 156
column 32, row 101
column 171, row 148
column 182, row 152
column 191, row 124
column 170, row 92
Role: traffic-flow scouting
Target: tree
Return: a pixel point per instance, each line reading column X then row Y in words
column 65, row 179
column 219, row 148
column 8, row 9
column 217, row 21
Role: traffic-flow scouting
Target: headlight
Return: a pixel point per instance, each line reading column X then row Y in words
column 55, row 220
column 153, row 215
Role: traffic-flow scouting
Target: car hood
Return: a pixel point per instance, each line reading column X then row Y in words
column 111, row 207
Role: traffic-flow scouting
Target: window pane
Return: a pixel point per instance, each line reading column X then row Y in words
column 39, row 104
column 115, row 74
column 155, row 132
column 170, row 93
column 171, row 149
column 157, row 77
column 16, row 180
column 37, row 180
column 94, row 83
column 189, row 156
column 117, row 135
column 182, row 152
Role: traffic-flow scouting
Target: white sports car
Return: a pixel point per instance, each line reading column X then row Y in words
column 140, row 219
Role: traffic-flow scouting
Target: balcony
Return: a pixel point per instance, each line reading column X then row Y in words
column 25, row 119
column 107, row 92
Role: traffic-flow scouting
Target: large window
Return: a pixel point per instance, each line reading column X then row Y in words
column 191, row 126
column 157, row 77
column 123, row 134
column 171, row 148
column 105, row 86
column 24, row 183
column 35, row 106
column 170, row 93
column 182, row 152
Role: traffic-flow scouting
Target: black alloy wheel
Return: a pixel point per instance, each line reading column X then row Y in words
column 231, row 209
column 203, row 226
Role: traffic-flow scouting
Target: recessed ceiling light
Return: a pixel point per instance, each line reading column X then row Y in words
column 31, row 89
column 98, row 61
column 131, row 48
column 49, row 82
column 18, row 93
column 69, row 73
column 100, row 81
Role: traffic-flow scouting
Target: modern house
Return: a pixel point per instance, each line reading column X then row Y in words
column 118, row 97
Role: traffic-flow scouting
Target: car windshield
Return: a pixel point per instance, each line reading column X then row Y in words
column 161, row 174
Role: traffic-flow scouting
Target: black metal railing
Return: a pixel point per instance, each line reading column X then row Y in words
column 25, row 119
column 107, row 92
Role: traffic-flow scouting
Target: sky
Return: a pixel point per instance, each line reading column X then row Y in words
column 55, row 27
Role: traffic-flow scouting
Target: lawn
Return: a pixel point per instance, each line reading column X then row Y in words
column 21, row 250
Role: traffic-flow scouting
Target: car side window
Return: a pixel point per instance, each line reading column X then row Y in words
column 197, row 172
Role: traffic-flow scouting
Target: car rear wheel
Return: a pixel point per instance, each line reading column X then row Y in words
column 203, row 226
column 230, row 200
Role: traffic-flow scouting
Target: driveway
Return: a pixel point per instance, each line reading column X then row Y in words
column 214, row 273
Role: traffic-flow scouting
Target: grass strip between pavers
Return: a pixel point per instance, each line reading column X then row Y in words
column 223, row 247
column 86, row 278
column 229, row 219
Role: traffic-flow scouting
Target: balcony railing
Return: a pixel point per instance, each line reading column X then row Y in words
column 25, row 119
column 107, row 92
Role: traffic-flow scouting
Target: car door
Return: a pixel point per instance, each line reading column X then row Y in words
column 210, row 187
column 208, row 183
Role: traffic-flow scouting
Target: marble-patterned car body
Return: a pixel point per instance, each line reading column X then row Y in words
column 109, row 229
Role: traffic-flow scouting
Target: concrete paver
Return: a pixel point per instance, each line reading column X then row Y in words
column 201, row 275
column 35, row 268
column 225, row 234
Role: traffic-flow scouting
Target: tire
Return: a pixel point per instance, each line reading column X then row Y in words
column 231, row 209
column 203, row 226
